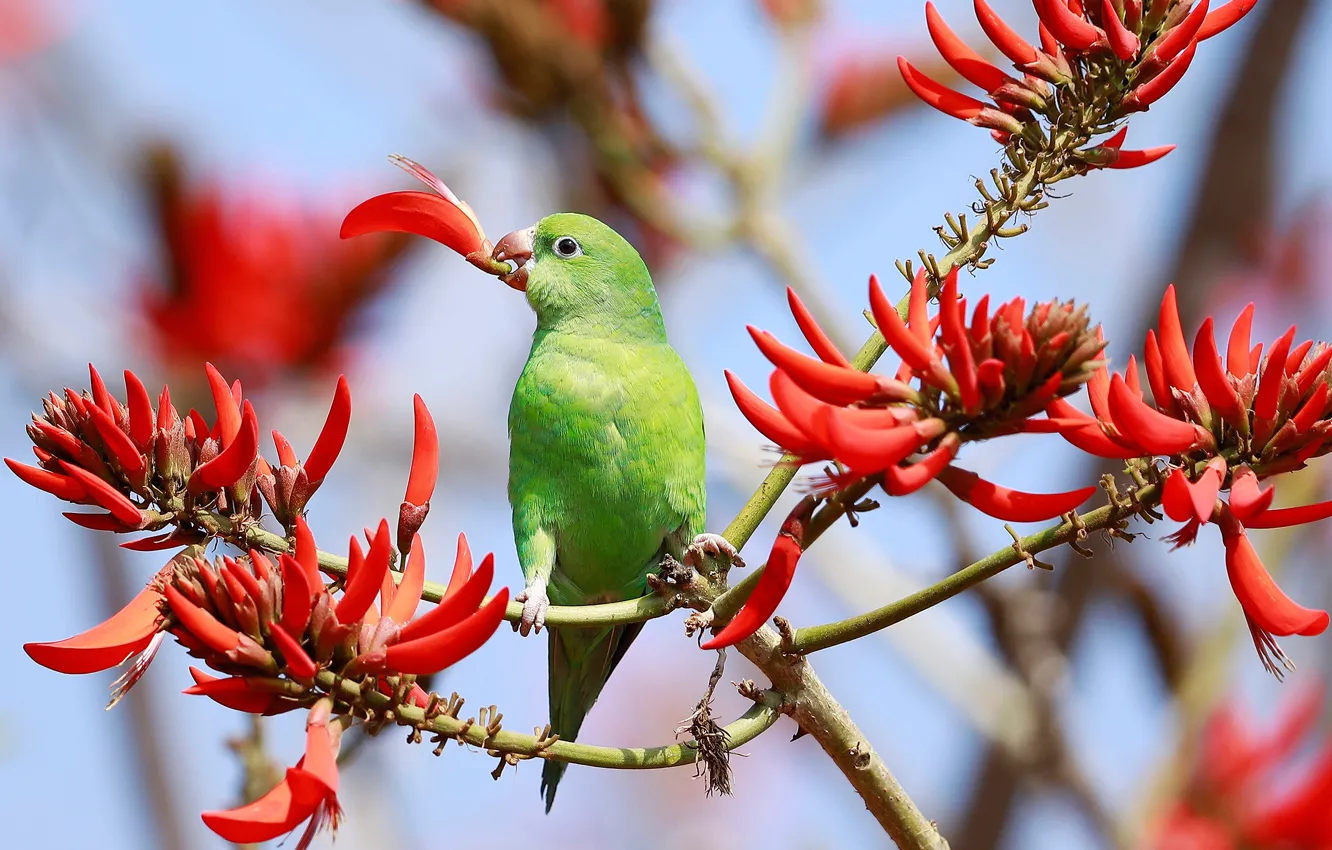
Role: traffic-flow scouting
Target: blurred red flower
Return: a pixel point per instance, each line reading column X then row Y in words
column 252, row 284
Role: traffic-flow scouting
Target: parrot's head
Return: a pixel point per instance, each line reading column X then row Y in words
column 572, row 265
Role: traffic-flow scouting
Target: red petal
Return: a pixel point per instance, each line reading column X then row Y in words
column 1247, row 498
column 167, row 417
column 1152, row 430
column 1174, row 351
column 425, row 455
column 938, row 95
column 1314, row 370
column 1224, row 17
column 1156, row 377
column 307, row 554
column 365, row 582
column 462, row 569
column 1312, row 410
column 332, row 435
column 228, row 410
column 768, row 420
column 286, row 454
column 60, row 486
column 97, row 522
column 1212, row 379
column 234, row 461
column 420, row 213
column 1002, row 35
column 1157, row 87
column 1137, row 159
column 104, row 646
column 297, row 595
column 1273, row 377
column 1090, row 438
column 117, row 441
column 435, row 651
column 838, row 385
column 100, row 395
column 904, row 480
column 457, row 604
column 408, row 595
column 1186, row 500
column 1071, row 30
column 1286, row 517
column 233, row 692
column 298, row 661
column 1180, row 36
column 1263, row 602
column 967, row 62
column 140, row 409
column 814, row 335
column 957, row 345
column 104, row 494
column 772, row 585
column 1123, row 42
column 1009, row 505
column 199, row 623
column 1237, row 349
column 867, row 451
column 269, row 817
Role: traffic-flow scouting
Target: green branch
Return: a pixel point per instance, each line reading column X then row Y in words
column 814, row 638
column 739, row 732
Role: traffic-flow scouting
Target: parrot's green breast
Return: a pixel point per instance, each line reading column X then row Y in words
column 607, row 451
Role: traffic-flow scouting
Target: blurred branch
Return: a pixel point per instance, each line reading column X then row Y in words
column 149, row 759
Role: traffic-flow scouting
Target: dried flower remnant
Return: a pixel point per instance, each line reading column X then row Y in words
column 959, row 381
column 1224, row 425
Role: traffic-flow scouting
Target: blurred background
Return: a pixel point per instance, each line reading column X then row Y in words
column 172, row 177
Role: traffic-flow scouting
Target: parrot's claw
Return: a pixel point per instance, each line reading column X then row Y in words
column 535, row 603
column 708, row 545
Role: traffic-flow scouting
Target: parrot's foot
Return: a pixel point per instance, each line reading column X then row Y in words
column 535, row 603
column 708, row 545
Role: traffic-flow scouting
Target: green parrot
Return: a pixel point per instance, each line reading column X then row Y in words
column 606, row 455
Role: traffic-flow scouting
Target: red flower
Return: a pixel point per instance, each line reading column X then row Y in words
column 440, row 216
column 308, row 792
column 253, row 284
column 1082, row 45
column 975, row 380
column 772, row 585
column 288, row 487
column 1225, row 425
column 1232, row 799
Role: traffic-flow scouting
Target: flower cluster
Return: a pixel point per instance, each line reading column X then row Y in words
column 150, row 469
column 282, row 636
column 1232, row 802
column 274, row 628
column 1224, row 425
column 1112, row 57
column 959, row 381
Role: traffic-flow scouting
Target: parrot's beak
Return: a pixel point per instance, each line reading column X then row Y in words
column 516, row 248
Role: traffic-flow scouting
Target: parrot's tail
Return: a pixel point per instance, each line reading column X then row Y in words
column 581, row 660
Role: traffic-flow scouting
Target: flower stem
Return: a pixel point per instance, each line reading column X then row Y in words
column 739, row 732
column 814, row 638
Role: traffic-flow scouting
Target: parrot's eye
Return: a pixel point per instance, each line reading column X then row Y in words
column 567, row 247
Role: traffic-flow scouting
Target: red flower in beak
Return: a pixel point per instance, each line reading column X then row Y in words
column 439, row 215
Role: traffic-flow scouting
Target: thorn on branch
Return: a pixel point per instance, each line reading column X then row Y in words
column 1031, row 560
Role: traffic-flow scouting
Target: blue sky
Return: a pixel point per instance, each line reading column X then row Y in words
column 309, row 97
